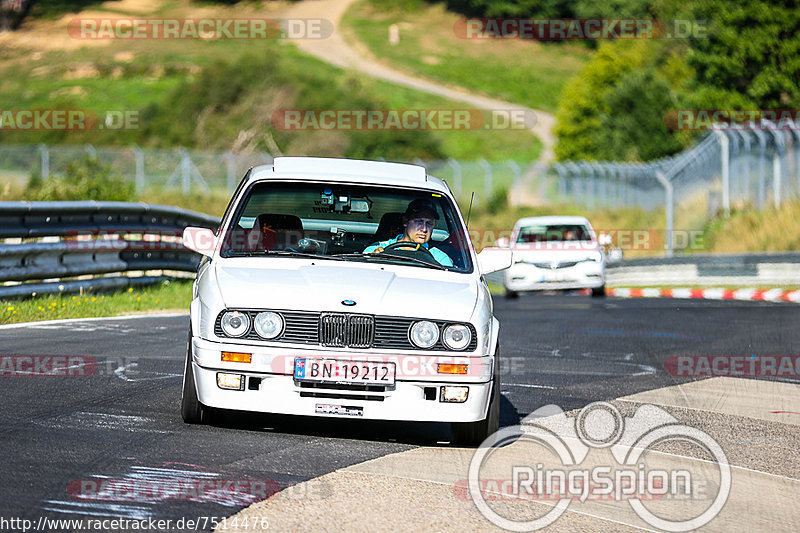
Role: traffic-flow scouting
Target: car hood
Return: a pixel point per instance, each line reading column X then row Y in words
column 380, row 289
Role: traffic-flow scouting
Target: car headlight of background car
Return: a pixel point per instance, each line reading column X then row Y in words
column 235, row 323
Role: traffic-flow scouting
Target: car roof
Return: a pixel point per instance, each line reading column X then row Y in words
column 348, row 170
column 552, row 220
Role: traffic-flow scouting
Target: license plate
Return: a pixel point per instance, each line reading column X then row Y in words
column 557, row 277
column 345, row 410
column 350, row 372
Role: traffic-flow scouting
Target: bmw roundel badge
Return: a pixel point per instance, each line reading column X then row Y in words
column 348, row 302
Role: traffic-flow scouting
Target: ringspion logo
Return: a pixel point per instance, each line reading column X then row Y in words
column 598, row 455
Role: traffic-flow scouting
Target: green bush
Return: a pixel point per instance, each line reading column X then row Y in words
column 83, row 179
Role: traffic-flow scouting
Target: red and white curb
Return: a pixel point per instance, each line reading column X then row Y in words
column 761, row 295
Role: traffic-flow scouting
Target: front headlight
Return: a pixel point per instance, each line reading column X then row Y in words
column 457, row 336
column 424, row 334
column 268, row 325
column 235, row 323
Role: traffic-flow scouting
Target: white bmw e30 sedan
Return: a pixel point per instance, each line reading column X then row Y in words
column 309, row 300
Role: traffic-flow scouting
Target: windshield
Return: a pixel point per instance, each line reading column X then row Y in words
column 337, row 221
column 554, row 233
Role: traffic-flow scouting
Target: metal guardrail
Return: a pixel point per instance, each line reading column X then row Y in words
column 739, row 270
column 62, row 247
column 764, row 268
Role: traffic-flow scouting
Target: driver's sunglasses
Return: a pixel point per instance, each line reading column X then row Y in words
column 427, row 223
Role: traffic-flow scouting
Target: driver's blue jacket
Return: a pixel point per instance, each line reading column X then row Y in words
column 437, row 254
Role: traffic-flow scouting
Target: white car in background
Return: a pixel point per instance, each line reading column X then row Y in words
column 290, row 316
column 555, row 253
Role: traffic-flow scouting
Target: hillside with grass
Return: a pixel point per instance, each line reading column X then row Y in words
column 522, row 72
column 218, row 94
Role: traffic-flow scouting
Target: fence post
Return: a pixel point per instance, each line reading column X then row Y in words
column 777, row 167
column 795, row 130
column 186, row 171
column 90, row 151
column 589, row 183
column 762, row 156
column 670, row 209
column 517, row 187
column 138, row 157
column 744, row 165
column 457, row 185
column 230, row 166
column 487, row 178
column 45, row 157
column 561, row 186
column 726, row 174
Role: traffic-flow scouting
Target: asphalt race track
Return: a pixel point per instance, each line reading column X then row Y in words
column 117, row 417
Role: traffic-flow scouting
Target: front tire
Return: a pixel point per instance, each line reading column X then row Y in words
column 511, row 295
column 474, row 433
column 599, row 292
column 192, row 411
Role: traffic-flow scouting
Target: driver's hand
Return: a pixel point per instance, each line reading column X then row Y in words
column 377, row 250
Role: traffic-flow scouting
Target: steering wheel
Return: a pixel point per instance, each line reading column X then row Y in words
column 413, row 247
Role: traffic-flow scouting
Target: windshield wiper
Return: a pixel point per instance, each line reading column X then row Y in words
column 384, row 256
column 283, row 253
column 290, row 253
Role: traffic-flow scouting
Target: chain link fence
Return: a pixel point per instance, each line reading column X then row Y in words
column 749, row 166
column 752, row 166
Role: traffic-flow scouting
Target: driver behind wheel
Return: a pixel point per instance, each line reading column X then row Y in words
column 418, row 222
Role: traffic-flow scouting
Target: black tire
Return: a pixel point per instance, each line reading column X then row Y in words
column 599, row 292
column 511, row 295
column 192, row 411
column 474, row 433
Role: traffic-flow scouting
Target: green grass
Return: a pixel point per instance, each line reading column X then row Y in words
column 523, row 72
column 173, row 296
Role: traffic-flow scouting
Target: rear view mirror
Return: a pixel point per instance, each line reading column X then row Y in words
column 604, row 239
column 359, row 206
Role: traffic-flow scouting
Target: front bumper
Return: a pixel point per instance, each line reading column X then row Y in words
column 270, row 386
column 526, row 277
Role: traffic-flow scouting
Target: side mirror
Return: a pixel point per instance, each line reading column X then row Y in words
column 200, row 240
column 614, row 256
column 604, row 239
column 494, row 259
column 503, row 242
